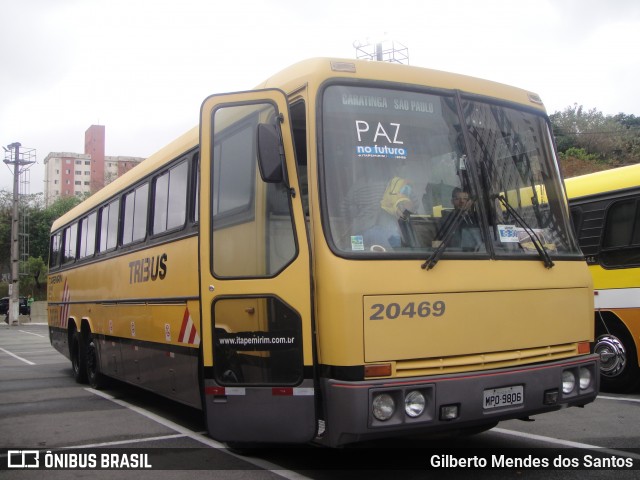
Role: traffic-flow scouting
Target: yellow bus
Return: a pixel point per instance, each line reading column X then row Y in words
column 295, row 266
column 605, row 207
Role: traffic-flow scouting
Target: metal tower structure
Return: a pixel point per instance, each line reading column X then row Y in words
column 21, row 160
column 382, row 51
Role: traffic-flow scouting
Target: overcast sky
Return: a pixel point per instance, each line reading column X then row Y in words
column 143, row 67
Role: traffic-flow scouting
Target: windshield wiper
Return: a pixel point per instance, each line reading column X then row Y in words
column 450, row 226
column 542, row 251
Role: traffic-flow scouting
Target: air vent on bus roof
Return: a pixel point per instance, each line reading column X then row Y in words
column 343, row 67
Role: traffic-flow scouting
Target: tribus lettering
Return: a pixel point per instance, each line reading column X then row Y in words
column 150, row 268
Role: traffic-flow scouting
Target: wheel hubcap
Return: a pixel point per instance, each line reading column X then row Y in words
column 613, row 357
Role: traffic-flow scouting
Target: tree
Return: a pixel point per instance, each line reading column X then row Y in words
column 589, row 141
column 35, row 283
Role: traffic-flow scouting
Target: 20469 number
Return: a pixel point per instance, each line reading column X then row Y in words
column 392, row 311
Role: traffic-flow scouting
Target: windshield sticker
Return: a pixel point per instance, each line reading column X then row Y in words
column 357, row 242
column 508, row 233
column 388, row 133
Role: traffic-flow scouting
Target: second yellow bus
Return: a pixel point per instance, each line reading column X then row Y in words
column 605, row 207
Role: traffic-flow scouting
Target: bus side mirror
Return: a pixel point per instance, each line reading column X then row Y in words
column 269, row 153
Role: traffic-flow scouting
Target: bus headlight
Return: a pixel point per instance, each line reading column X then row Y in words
column 585, row 378
column 383, row 406
column 414, row 403
column 568, row 381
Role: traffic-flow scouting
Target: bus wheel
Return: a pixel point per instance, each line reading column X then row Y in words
column 96, row 379
column 619, row 371
column 78, row 360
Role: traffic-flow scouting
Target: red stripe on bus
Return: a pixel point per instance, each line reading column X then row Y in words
column 185, row 319
column 282, row 391
column 192, row 336
column 214, row 391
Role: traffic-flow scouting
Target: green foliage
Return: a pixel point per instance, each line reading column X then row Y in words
column 579, row 154
column 35, row 282
column 588, row 140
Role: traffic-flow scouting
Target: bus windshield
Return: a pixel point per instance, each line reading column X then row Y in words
column 406, row 172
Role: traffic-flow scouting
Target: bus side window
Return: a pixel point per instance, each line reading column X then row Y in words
column 109, row 226
column 170, row 199
column 621, row 239
column 195, row 191
column 88, row 235
column 70, row 243
column 55, row 250
column 134, row 225
column 299, row 125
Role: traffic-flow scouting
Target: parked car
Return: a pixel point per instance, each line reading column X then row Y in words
column 23, row 306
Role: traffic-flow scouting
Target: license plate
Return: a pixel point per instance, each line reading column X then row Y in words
column 502, row 397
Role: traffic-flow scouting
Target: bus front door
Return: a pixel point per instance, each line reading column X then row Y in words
column 255, row 274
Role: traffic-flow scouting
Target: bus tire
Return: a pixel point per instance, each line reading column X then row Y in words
column 94, row 376
column 77, row 352
column 619, row 370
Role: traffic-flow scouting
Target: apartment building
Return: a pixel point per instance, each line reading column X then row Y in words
column 68, row 173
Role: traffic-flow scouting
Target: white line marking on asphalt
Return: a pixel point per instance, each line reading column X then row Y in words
column 127, row 442
column 29, row 352
column 620, row 399
column 200, row 438
column 16, row 356
column 565, row 443
column 31, row 333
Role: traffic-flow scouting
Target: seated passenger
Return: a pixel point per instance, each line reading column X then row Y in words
column 466, row 233
column 374, row 208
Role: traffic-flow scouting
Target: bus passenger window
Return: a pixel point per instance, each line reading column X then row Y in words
column 88, row 235
column 55, row 250
column 70, row 242
column 621, row 239
column 299, row 126
column 109, row 226
column 170, row 199
column 196, row 191
column 135, row 215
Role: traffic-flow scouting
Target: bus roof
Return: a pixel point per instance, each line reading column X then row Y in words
column 312, row 73
column 614, row 179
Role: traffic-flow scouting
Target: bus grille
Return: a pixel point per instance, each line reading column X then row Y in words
column 484, row 361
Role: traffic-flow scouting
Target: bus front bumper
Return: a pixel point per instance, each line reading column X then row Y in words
column 465, row 401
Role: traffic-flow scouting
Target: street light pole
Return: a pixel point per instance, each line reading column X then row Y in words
column 21, row 161
column 14, row 286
